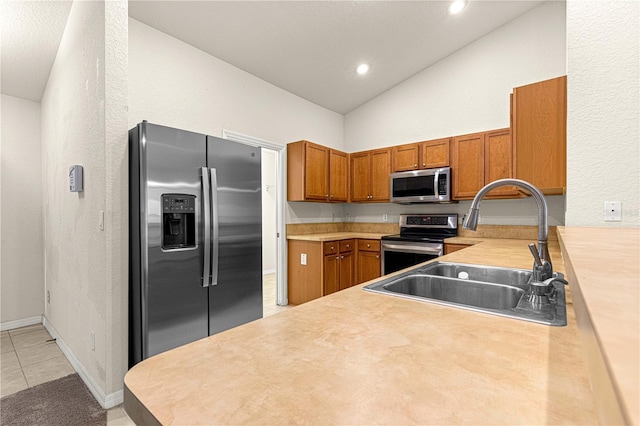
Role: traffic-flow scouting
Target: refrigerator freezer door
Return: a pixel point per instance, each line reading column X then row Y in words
column 237, row 297
column 173, row 302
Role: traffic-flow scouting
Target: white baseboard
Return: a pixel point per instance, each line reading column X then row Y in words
column 269, row 271
column 10, row 325
column 106, row 401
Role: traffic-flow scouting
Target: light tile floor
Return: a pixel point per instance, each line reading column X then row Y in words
column 269, row 305
column 30, row 357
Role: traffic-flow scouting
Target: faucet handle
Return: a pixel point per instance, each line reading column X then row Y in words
column 534, row 252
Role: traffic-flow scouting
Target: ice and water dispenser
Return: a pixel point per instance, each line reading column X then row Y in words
column 178, row 221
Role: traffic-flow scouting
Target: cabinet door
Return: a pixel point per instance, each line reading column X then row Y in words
column 316, row 183
column 338, row 175
column 468, row 165
column 539, row 114
column 405, row 157
column 498, row 163
column 368, row 266
column 435, row 153
column 360, row 176
column 331, row 274
column 380, row 172
column 347, row 270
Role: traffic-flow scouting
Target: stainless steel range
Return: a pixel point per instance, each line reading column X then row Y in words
column 421, row 238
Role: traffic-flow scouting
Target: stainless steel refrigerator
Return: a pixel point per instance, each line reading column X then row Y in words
column 195, row 258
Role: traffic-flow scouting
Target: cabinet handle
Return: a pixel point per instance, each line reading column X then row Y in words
column 368, row 245
column 337, row 257
column 415, row 166
column 341, row 257
column 377, row 256
column 331, row 247
column 424, row 164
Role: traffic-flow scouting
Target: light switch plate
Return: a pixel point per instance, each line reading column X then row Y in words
column 612, row 211
column 303, row 258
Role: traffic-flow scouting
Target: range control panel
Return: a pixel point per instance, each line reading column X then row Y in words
column 429, row 220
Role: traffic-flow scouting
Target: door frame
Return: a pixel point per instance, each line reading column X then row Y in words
column 281, row 247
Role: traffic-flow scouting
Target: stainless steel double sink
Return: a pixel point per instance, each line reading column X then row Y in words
column 488, row 289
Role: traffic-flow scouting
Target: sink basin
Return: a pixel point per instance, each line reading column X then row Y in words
column 487, row 289
column 471, row 293
column 488, row 274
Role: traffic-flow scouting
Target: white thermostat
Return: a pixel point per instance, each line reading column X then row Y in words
column 75, row 178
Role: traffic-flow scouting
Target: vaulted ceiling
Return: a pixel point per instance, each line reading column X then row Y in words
column 309, row 48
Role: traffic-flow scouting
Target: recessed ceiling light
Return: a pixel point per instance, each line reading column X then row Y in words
column 362, row 69
column 457, row 6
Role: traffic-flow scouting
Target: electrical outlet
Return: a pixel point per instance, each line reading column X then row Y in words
column 93, row 341
column 48, row 297
column 385, row 217
column 303, row 258
column 612, row 211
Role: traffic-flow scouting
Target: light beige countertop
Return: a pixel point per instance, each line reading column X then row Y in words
column 603, row 268
column 467, row 240
column 333, row 236
column 356, row 357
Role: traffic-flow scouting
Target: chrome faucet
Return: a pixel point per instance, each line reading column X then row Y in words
column 542, row 267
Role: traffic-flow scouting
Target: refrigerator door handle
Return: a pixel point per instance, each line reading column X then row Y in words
column 215, row 240
column 206, row 209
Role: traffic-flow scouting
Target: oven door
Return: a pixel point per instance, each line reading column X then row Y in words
column 397, row 255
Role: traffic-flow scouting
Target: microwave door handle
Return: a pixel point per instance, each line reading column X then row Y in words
column 206, row 210
column 436, row 193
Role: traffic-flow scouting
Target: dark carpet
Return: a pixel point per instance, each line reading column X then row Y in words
column 62, row 402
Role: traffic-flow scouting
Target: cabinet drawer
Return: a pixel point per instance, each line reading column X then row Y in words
column 330, row 247
column 369, row 245
column 346, row 246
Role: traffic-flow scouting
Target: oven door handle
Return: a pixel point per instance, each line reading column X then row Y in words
column 412, row 248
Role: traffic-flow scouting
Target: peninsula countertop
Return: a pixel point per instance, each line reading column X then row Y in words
column 356, row 357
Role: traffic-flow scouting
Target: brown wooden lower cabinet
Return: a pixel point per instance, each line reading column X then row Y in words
column 450, row 248
column 330, row 266
column 368, row 260
column 339, row 266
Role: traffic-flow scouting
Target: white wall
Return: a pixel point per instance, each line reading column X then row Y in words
column 269, row 210
column 174, row 84
column 603, row 135
column 469, row 90
column 21, row 229
column 465, row 92
column 84, row 122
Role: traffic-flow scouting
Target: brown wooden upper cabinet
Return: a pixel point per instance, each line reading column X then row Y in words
column 370, row 172
column 421, row 155
column 539, row 123
column 480, row 158
column 316, row 173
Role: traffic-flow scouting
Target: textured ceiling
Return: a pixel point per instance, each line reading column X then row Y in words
column 30, row 36
column 309, row 48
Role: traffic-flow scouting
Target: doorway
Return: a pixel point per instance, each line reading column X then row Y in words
column 273, row 227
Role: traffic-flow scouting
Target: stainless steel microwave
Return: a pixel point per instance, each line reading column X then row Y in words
column 421, row 186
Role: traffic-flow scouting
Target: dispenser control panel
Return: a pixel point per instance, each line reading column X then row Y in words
column 178, row 203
